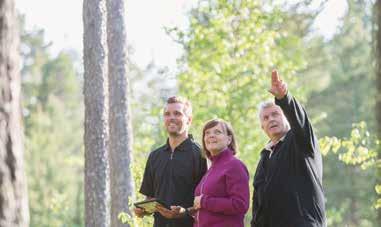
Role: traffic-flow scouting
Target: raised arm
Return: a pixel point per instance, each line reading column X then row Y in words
column 294, row 112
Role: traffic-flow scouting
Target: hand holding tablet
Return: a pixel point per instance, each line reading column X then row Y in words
column 149, row 205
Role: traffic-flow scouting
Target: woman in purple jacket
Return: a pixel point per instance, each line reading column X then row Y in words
column 222, row 196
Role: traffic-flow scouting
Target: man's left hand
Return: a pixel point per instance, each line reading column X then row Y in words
column 278, row 87
column 174, row 212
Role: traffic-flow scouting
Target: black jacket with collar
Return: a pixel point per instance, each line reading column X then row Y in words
column 172, row 177
column 288, row 186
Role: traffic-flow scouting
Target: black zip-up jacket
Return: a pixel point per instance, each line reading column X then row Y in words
column 173, row 177
column 288, row 186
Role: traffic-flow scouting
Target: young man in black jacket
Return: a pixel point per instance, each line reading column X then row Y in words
column 288, row 181
column 173, row 170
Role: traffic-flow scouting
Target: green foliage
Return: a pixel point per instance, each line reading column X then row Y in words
column 147, row 94
column 348, row 75
column 125, row 218
column 359, row 150
column 53, row 114
column 343, row 73
column 53, row 127
column 378, row 202
column 231, row 47
column 230, row 54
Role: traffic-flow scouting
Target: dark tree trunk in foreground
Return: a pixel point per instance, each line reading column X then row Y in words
column 13, row 189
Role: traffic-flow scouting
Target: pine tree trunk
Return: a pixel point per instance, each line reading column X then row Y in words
column 13, row 186
column 96, row 105
column 120, row 150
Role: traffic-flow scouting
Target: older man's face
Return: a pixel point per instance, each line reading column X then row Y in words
column 273, row 122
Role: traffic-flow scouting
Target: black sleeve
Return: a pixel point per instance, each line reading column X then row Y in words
column 254, row 206
column 201, row 168
column 147, row 184
column 258, row 187
column 299, row 122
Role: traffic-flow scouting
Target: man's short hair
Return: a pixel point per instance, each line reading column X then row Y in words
column 263, row 105
column 179, row 99
column 266, row 104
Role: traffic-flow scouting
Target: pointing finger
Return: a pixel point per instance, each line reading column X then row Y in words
column 274, row 77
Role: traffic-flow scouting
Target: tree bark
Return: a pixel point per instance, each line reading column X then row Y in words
column 96, row 107
column 120, row 149
column 13, row 187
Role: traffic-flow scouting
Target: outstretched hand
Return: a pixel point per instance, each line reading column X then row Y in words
column 278, row 87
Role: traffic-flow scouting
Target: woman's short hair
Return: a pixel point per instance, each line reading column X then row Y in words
column 227, row 129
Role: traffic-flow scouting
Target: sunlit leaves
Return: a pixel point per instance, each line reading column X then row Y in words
column 231, row 49
column 359, row 149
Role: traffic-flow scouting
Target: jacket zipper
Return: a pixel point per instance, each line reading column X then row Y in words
column 201, row 192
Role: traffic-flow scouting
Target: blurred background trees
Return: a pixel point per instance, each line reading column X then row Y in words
column 230, row 47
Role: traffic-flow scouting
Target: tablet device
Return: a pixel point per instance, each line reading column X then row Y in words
column 150, row 204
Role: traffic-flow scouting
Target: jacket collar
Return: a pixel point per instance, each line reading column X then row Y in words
column 184, row 146
column 227, row 152
column 271, row 144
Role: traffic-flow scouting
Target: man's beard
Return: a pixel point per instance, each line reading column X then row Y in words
column 173, row 134
column 177, row 133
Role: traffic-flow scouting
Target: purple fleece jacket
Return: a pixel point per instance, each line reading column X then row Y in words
column 225, row 193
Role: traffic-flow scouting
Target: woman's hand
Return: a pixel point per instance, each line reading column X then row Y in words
column 197, row 202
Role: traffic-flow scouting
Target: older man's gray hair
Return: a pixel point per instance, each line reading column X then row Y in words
column 263, row 105
column 266, row 104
